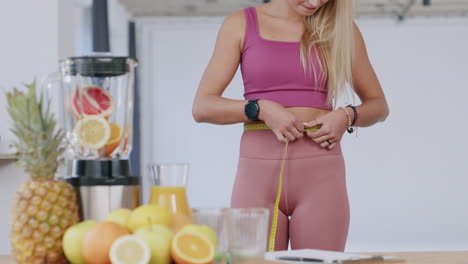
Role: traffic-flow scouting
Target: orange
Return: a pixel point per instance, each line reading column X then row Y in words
column 114, row 140
column 190, row 247
column 98, row 241
column 205, row 230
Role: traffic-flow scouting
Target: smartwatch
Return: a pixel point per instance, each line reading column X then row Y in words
column 251, row 110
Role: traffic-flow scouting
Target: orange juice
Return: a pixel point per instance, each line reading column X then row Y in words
column 175, row 200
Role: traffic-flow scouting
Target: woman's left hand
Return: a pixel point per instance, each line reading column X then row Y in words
column 334, row 124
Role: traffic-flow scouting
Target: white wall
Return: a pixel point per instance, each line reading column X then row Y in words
column 407, row 182
column 406, row 177
column 32, row 43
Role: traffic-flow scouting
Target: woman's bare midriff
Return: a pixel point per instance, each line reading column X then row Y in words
column 305, row 114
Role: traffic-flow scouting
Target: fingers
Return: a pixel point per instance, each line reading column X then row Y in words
column 325, row 136
column 289, row 136
column 313, row 123
column 326, row 143
column 320, row 132
column 310, row 123
column 299, row 126
column 290, row 131
column 280, row 136
column 322, row 139
column 296, row 133
column 332, row 146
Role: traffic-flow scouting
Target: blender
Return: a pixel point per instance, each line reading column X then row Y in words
column 97, row 117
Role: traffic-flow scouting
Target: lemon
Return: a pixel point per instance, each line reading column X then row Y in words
column 158, row 238
column 93, row 132
column 149, row 214
column 72, row 241
column 119, row 216
column 129, row 249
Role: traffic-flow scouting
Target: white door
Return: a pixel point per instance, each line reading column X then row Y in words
column 173, row 57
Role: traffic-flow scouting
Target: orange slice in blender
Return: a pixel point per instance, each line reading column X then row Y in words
column 189, row 247
column 93, row 132
column 114, row 140
column 92, row 100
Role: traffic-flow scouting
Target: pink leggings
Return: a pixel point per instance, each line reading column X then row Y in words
column 314, row 207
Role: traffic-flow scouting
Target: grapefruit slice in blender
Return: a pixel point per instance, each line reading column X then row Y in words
column 92, row 100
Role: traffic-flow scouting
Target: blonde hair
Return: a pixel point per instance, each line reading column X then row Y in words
column 330, row 32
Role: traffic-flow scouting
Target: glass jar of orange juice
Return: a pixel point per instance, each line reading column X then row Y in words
column 169, row 190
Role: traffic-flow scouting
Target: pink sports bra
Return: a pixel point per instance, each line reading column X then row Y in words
column 272, row 70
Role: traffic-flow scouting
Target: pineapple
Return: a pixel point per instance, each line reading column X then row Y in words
column 44, row 208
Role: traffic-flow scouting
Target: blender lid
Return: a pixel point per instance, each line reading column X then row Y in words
column 99, row 65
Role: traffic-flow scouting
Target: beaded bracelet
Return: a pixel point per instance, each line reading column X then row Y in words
column 350, row 129
column 355, row 114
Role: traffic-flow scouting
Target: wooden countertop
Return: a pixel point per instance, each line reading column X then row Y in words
column 450, row 257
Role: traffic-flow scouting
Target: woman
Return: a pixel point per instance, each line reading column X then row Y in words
column 296, row 57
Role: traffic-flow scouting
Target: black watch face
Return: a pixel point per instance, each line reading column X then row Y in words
column 251, row 110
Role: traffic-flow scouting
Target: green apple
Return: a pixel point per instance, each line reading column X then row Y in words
column 72, row 240
column 149, row 214
column 205, row 230
column 158, row 238
column 119, row 216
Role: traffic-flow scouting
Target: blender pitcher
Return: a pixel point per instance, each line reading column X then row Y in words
column 96, row 94
column 169, row 190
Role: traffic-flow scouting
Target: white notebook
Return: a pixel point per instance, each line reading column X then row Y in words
column 326, row 256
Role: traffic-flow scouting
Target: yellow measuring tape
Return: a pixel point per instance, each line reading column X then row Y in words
column 274, row 221
column 262, row 126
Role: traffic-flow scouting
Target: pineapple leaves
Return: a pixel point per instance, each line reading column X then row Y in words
column 38, row 142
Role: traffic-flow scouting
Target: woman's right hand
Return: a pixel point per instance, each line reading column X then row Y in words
column 282, row 122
